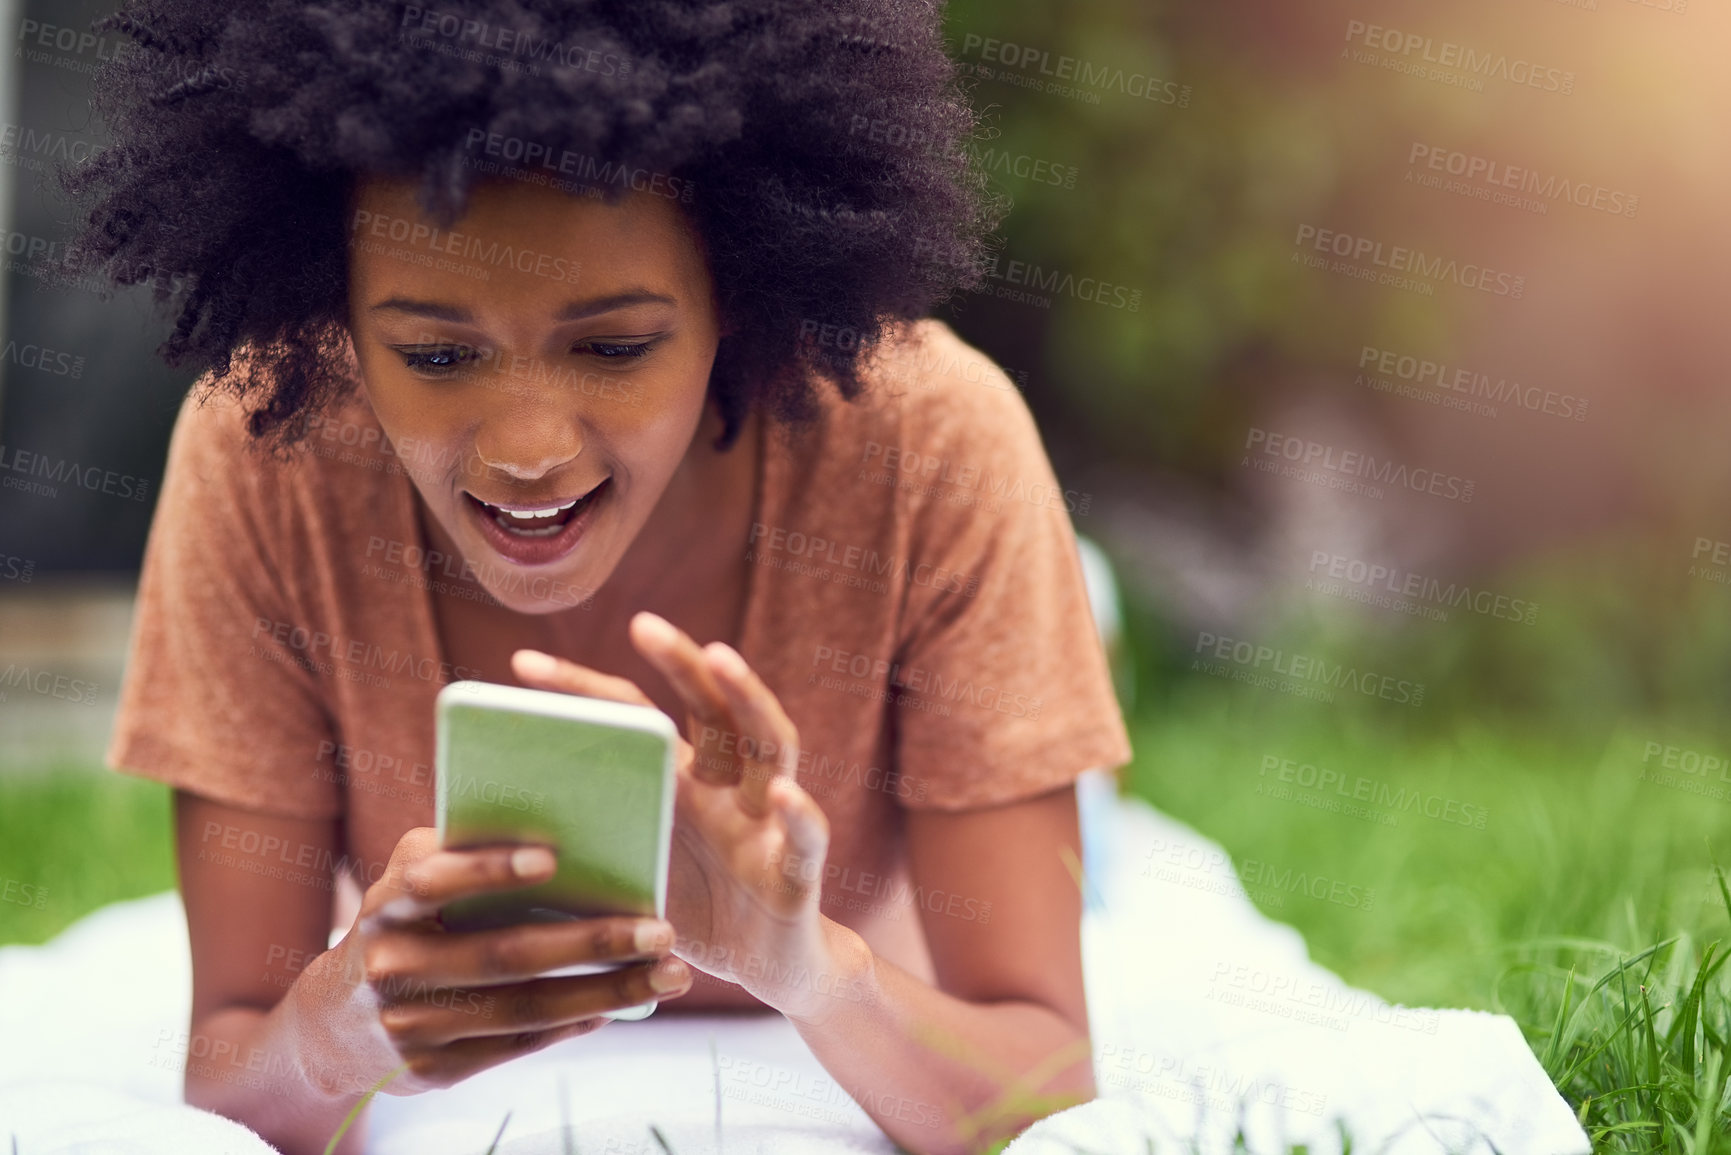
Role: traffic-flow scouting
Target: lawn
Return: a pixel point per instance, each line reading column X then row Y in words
column 1497, row 859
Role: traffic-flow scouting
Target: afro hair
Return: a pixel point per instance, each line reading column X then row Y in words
column 820, row 150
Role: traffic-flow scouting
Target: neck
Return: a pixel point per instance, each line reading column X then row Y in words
column 692, row 527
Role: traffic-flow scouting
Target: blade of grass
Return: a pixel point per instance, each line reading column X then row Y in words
column 503, row 1123
column 360, row 1105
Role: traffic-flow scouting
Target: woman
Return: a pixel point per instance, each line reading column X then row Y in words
column 583, row 333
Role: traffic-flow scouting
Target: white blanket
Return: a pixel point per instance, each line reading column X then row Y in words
column 1205, row 1014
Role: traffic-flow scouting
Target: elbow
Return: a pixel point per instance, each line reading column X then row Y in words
column 978, row 1126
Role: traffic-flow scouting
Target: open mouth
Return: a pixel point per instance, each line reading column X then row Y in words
column 545, row 521
column 536, row 534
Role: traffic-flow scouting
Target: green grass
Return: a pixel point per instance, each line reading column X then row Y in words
column 78, row 838
column 1586, row 907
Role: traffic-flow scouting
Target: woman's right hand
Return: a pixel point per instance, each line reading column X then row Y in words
column 447, row 1004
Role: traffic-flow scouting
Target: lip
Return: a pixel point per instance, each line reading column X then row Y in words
column 535, row 551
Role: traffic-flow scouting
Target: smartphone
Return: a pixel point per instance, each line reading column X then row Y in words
column 591, row 778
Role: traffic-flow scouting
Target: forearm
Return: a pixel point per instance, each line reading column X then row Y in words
column 941, row 1075
column 284, row 1072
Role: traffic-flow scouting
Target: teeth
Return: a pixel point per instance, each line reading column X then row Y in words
column 532, row 514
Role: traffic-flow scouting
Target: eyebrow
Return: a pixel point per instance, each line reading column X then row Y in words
column 572, row 311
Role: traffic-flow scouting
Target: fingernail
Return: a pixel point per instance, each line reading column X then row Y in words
column 656, row 628
column 652, row 936
column 668, row 975
column 531, row 861
column 727, row 658
column 535, row 664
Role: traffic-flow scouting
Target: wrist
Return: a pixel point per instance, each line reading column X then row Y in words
column 329, row 1022
column 840, row 976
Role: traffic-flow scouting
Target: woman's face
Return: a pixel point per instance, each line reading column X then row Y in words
column 541, row 368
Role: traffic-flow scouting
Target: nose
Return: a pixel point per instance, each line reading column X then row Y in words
column 522, row 472
column 527, row 446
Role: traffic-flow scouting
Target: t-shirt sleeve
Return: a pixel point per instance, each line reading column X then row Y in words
column 1002, row 688
column 214, row 700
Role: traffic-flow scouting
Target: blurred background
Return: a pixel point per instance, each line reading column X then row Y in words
column 1402, row 416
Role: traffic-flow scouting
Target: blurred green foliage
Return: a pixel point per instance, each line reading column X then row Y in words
column 1190, row 197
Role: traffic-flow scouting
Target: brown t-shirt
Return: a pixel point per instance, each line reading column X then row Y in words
column 914, row 598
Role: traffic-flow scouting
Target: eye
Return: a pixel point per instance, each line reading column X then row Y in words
column 617, row 350
column 438, row 360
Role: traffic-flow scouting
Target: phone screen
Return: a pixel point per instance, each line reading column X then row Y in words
column 591, row 778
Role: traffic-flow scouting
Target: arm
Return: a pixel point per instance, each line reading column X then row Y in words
column 253, row 936
column 1003, row 1040
column 286, row 1036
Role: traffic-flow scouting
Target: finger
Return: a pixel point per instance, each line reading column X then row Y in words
column 807, row 824
column 422, row 887
column 672, row 652
column 398, row 959
column 450, row 1064
column 773, row 748
column 547, row 672
column 444, row 1016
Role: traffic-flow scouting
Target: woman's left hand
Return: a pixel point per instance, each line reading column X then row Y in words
column 749, row 845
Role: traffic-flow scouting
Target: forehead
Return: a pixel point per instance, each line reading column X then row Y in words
column 521, row 240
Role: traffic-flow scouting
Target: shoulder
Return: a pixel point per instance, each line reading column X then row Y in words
column 927, row 391
column 342, row 443
column 339, row 480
